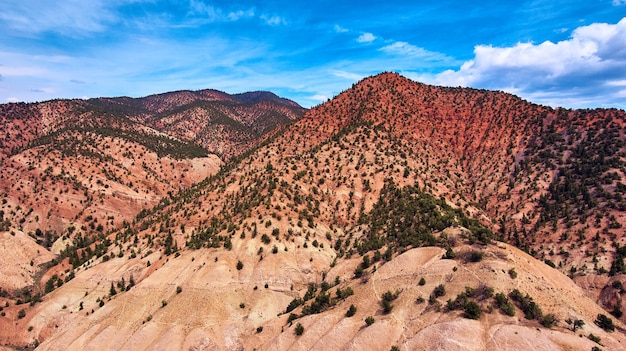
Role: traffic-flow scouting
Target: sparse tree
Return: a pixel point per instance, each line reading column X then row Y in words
column 351, row 311
column 299, row 329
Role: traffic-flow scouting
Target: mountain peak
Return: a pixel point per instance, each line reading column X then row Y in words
column 257, row 96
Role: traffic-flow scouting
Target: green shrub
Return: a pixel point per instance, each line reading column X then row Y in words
column 548, row 320
column 369, row 320
column 294, row 304
column 265, row 239
column 594, row 338
column 299, row 329
column 450, row 254
column 351, row 311
column 472, row 310
column 475, row 256
column 358, row 272
column 387, row 306
column 605, row 323
column 439, row 291
column 526, row 304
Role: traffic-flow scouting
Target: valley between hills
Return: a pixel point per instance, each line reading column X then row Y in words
column 395, row 216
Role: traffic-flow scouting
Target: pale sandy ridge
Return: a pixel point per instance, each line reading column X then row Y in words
column 207, row 314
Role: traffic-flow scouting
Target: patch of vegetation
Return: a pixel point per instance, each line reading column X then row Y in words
column 594, row 338
column 474, row 256
column 548, row 320
column 450, row 254
column 467, row 301
column 160, row 144
column 578, row 184
column 471, row 310
column 388, row 297
column 605, row 323
column 321, row 301
column 299, row 329
column 575, row 323
column 439, row 291
column 351, row 311
column 526, row 304
column 408, row 217
column 504, row 304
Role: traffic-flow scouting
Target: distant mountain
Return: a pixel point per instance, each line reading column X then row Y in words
column 386, row 217
column 94, row 164
column 259, row 96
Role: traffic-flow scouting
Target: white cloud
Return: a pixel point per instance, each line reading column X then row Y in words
column 21, row 71
column 13, row 99
column 619, row 2
column 236, row 15
column 347, row 75
column 340, row 29
column 70, row 17
column 581, row 66
column 405, row 49
column 214, row 14
column 146, row 67
column 274, row 20
column 366, row 38
column 617, row 83
column 319, row 97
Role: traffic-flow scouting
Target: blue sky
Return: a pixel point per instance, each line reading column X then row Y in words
column 560, row 53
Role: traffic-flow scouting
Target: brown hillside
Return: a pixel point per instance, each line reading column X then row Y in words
column 390, row 182
column 73, row 171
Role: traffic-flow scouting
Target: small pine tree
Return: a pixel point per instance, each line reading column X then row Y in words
column 351, row 311
column 605, row 322
column 472, row 310
column 299, row 329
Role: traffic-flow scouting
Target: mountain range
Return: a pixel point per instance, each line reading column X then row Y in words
column 396, row 215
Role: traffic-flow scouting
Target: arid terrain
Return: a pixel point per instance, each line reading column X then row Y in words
column 395, row 215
